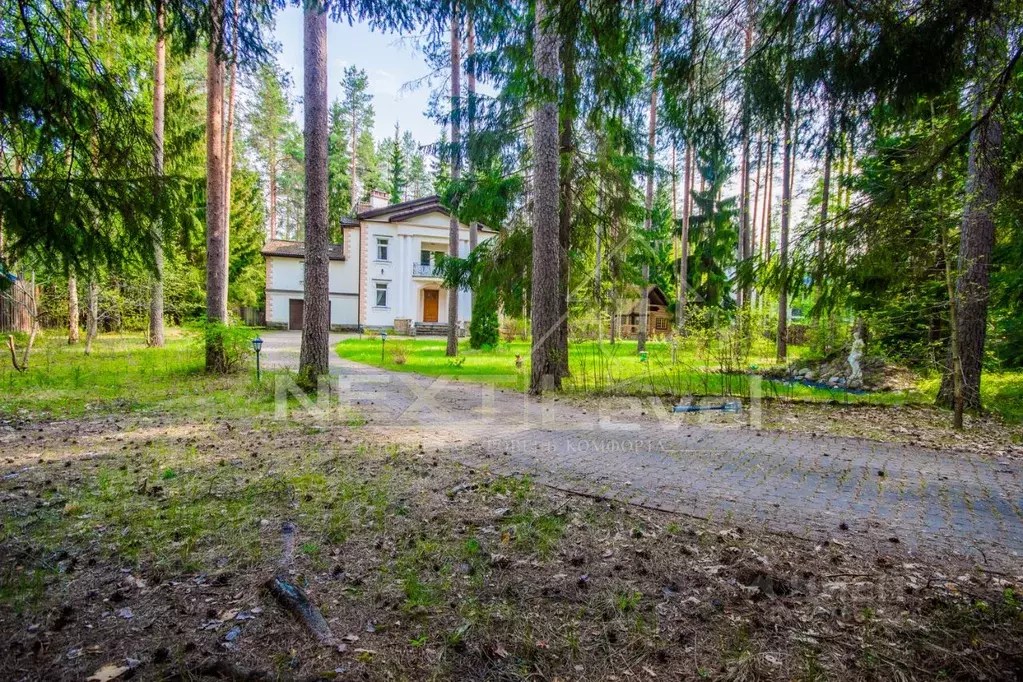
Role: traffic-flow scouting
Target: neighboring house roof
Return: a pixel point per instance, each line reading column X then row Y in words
column 395, row 213
column 657, row 297
column 288, row 249
column 349, row 222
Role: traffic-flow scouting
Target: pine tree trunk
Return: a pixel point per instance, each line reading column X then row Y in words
column 156, row 333
column 546, row 250
column 566, row 146
column 683, row 257
column 456, row 170
column 977, row 234
column 651, row 148
column 216, row 278
column 91, row 316
column 755, row 227
column 768, row 199
column 470, row 73
column 786, row 212
column 72, row 310
column 229, row 142
column 744, row 207
column 825, row 197
column 315, row 355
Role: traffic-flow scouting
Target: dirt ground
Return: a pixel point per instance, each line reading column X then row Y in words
column 141, row 547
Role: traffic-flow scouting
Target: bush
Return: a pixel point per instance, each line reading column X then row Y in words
column 484, row 330
column 514, row 329
column 227, row 348
column 400, row 351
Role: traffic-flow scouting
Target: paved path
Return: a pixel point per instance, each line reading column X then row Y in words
column 946, row 502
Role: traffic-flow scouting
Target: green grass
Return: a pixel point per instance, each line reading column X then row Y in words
column 600, row 368
column 122, row 375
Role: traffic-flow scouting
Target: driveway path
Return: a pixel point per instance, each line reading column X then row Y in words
column 948, row 502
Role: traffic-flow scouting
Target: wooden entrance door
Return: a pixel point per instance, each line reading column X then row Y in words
column 430, row 300
column 296, row 308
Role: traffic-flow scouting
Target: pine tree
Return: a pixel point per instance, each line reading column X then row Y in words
column 397, row 178
column 356, row 107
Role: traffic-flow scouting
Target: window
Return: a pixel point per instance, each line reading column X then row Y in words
column 661, row 324
column 424, row 257
column 382, row 248
column 381, row 289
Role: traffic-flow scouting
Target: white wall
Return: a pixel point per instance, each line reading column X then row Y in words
column 285, row 281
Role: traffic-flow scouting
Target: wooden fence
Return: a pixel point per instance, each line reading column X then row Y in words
column 15, row 304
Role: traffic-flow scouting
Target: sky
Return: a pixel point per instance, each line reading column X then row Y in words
column 389, row 60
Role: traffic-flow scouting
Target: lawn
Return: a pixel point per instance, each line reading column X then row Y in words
column 604, row 369
column 122, row 375
column 138, row 532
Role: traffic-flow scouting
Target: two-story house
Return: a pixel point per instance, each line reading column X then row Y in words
column 382, row 272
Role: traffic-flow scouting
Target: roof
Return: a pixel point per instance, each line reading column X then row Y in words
column 395, row 213
column 283, row 248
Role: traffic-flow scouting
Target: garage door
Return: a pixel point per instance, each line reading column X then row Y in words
column 296, row 308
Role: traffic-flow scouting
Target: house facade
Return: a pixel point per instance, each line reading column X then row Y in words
column 629, row 317
column 382, row 274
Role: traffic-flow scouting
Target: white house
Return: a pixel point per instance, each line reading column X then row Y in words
column 382, row 274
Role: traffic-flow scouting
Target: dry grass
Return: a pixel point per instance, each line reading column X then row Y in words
column 426, row 570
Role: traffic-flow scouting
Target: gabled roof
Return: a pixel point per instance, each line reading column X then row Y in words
column 395, row 213
column 283, row 248
column 402, row 207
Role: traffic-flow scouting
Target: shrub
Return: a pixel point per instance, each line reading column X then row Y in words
column 400, row 351
column 514, row 329
column 484, row 329
column 227, row 348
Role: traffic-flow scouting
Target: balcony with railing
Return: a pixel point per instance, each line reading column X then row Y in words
column 425, row 270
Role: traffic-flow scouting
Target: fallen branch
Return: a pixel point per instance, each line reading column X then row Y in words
column 295, row 601
column 23, row 365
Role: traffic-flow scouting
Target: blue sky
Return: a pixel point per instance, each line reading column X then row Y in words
column 389, row 60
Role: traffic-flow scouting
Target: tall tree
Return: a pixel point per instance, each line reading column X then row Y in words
column 156, row 334
column 786, row 205
column 268, row 120
column 216, row 243
column 456, row 168
column 340, row 196
column 546, row 246
column 355, row 103
column 315, row 355
column 470, row 75
column 229, row 137
column 651, row 149
column 397, row 174
column 977, row 234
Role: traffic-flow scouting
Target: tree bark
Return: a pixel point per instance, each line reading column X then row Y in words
column 546, row 249
column 825, row 196
column 566, row 146
column 977, row 234
column 744, row 208
column 470, row 74
column 786, row 212
column 768, row 199
column 456, row 170
column 91, row 316
column 216, row 278
column 315, row 355
column 651, row 149
column 683, row 258
column 229, row 141
column 72, row 310
column 156, row 333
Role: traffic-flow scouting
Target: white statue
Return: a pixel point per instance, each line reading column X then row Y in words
column 854, row 358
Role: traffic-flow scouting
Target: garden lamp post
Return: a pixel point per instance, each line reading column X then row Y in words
column 383, row 342
column 257, row 345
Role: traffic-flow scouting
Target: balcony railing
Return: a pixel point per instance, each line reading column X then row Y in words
column 429, row 270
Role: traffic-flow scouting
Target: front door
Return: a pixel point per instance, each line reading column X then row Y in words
column 430, row 299
column 296, row 308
